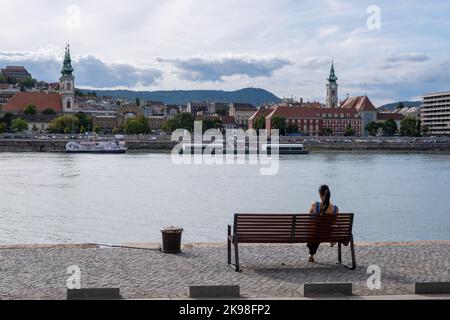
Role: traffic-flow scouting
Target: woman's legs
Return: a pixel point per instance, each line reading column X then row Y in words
column 313, row 247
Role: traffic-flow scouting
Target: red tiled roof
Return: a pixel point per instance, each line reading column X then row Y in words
column 294, row 112
column 361, row 104
column 41, row 100
column 262, row 112
column 228, row 120
column 389, row 116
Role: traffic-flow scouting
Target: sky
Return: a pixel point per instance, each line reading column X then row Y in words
column 389, row 50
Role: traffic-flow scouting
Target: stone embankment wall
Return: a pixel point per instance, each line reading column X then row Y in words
column 166, row 146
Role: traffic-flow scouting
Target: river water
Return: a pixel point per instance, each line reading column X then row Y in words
column 113, row 199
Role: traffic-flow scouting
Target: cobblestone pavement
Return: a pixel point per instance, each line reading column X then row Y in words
column 268, row 270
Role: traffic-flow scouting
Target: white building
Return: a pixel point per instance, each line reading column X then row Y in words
column 435, row 113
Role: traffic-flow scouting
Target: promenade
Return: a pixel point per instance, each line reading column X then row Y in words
column 269, row 271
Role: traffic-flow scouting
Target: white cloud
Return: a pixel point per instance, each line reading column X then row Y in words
column 127, row 39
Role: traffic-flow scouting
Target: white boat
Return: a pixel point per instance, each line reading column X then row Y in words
column 109, row 147
column 283, row 149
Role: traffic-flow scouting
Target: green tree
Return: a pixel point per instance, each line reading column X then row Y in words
column 49, row 112
column 400, row 106
column 116, row 131
column 372, row 128
column 138, row 101
column 209, row 123
column 349, row 131
column 137, row 126
column 280, row 124
column 97, row 129
column 389, row 127
column 260, row 124
column 30, row 110
column 222, row 111
column 64, row 124
column 7, row 119
column 28, row 83
column 180, row 121
column 19, row 125
column 2, row 78
column 327, row 132
column 3, row 127
column 84, row 121
column 410, row 127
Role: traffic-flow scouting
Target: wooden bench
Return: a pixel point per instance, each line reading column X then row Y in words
column 290, row 229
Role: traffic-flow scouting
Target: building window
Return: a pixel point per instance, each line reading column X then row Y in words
column 68, row 105
column 68, row 86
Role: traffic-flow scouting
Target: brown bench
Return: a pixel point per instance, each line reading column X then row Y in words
column 290, row 229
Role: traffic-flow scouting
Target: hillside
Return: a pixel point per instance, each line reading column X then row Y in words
column 254, row 96
column 393, row 106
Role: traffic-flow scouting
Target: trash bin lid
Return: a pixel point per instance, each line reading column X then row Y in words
column 172, row 229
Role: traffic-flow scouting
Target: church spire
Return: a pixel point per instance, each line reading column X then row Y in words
column 67, row 66
column 332, row 77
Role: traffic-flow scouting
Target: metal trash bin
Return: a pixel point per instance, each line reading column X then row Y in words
column 171, row 239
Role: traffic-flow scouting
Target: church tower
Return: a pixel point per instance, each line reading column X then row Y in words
column 332, row 89
column 67, row 83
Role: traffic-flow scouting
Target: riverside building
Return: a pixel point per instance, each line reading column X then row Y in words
column 435, row 113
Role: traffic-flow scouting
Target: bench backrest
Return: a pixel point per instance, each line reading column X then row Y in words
column 292, row 228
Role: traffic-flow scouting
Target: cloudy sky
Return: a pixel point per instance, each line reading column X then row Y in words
column 391, row 50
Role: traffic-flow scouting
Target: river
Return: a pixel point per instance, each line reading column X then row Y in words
column 113, row 199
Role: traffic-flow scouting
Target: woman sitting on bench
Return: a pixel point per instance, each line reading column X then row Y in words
column 325, row 207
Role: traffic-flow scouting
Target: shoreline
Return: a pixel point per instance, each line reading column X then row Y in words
column 58, row 146
column 153, row 245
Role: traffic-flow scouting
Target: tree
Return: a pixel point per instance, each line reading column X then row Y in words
column 137, row 126
column 28, row 83
column 49, row 112
column 372, row 128
column 389, row 127
column 260, row 124
column 410, row 127
column 116, row 131
column 222, row 111
column 19, row 125
column 30, row 110
column 180, row 121
column 280, row 124
column 84, row 120
column 209, row 123
column 327, row 132
column 7, row 119
column 400, row 106
column 2, row 78
column 3, row 127
column 64, row 124
column 138, row 101
column 349, row 132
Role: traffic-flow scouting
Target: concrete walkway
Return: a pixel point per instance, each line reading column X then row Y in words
column 269, row 271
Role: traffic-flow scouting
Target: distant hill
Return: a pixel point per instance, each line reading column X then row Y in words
column 393, row 106
column 249, row 95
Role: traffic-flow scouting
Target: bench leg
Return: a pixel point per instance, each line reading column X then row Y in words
column 229, row 245
column 236, row 257
column 352, row 244
column 340, row 253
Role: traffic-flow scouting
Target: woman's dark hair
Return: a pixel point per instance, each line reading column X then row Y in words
column 325, row 192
